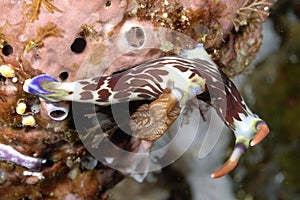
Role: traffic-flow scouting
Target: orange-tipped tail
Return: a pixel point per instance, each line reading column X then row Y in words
column 230, row 164
column 225, row 169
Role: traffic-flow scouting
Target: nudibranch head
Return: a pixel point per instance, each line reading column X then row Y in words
column 251, row 128
column 44, row 86
column 35, row 85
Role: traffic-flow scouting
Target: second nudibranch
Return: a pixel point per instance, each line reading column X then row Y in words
column 191, row 75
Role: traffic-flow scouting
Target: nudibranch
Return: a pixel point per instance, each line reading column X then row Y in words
column 170, row 82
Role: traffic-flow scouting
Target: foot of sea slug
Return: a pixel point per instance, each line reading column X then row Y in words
column 151, row 121
column 230, row 164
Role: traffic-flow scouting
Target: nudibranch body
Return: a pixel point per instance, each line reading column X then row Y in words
column 145, row 81
column 171, row 82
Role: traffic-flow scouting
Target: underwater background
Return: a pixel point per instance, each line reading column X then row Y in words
column 271, row 171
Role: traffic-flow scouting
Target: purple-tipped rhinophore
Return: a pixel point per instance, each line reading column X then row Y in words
column 7, row 153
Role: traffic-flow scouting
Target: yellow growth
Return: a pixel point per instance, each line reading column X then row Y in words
column 36, row 6
column 21, row 108
column 43, row 32
column 7, row 71
column 2, row 40
column 88, row 30
column 28, row 120
column 2, row 43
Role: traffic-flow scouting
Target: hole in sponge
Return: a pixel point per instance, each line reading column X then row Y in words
column 63, row 76
column 7, row 50
column 107, row 4
column 78, row 45
column 135, row 37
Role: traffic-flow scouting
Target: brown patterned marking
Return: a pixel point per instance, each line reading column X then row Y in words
column 138, row 70
column 121, row 95
column 171, row 60
column 204, row 63
column 192, row 75
column 178, row 62
column 119, row 80
column 147, row 78
column 96, row 79
column 181, row 68
column 146, row 92
column 138, row 82
column 84, row 82
column 144, row 96
column 143, row 67
column 120, row 86
column 91, row 87
column 103, row 95
column 157, row 73
column 100, row 81
column 140, row 77
column 141, row 89
column 229, row 106
column 86, row 95
column 179, row 59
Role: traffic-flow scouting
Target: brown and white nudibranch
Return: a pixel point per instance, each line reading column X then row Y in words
column 178, row 79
